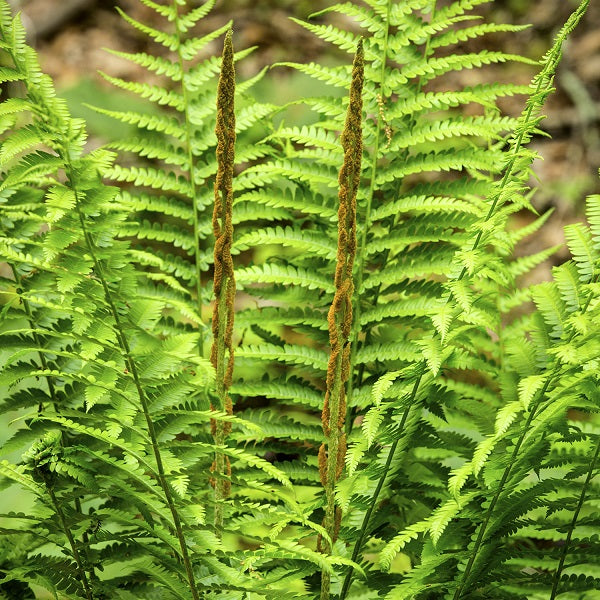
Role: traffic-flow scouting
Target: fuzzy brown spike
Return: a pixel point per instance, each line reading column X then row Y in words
column 224, row 282
column 325, row 415
column 339, row 317
column 337, row 523
column 340, row 457
column 221, row 354
column 229, row 411
column 323, row 464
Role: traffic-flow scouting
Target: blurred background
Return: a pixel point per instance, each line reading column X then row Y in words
column 71, row 36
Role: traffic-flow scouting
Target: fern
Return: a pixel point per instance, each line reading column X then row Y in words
column 405, row 419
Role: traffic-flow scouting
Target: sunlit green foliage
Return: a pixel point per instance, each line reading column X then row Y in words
column 379, row 311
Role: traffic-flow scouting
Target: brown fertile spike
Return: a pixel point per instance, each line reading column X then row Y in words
column 221, row 354
column 339, row 318
column 341, row 455
column 337, row 522
column 222, row 324
column 323, row 464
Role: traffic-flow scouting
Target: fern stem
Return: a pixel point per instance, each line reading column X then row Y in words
column 488, row 515
column 339, row 318
column 51, row 390
column 395, row 219
column 221, row 354
column 364, row 528
column 544, row 78
column 37, row 338
column 191, row 172
column 565, row 548
column 65, row 527
column 64, row 153
column 131, row 365
column 508, row 470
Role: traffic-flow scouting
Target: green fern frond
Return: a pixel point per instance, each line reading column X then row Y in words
column 283, row 275
column 467, row 401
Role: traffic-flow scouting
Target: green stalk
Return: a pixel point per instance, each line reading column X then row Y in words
column 386, row 469
column 65, row 153
column 54, row 398
column 544, row 82
column 132, row 367
column 490, row 511
column 221, row 354
column 508, row 470
column 565, row 548
column 339, row 319
column 63, row 522
column 361, row 253
column 191, row 175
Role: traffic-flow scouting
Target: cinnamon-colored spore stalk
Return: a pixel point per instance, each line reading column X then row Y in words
column 339, row 318
column 221, row 354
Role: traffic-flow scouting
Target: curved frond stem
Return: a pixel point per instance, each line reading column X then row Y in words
column 221, row 355
column 505, row 475
column 74, row 550
column 132, row 366
column 573, row 523
column 544, row 79
column 54, row 398
column 38, row 340
column 364, row 528
column 508, row 470
column 543, row 85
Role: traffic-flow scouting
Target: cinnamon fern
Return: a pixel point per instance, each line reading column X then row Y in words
column 405, row 420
